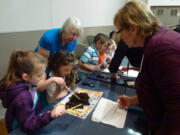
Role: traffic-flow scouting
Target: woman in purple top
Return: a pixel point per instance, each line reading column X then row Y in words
column 19, row 96
column 158, row 83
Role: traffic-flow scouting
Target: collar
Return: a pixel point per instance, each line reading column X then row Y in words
column 25, row 83
column 93, row 46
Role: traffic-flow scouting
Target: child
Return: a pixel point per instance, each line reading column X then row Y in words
column 112, row 37
column 89, row 60
column 61, row 67
column 115, row 37
column 106, row 54
column 19, row 96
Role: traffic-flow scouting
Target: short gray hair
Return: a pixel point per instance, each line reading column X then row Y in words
column 72, row 22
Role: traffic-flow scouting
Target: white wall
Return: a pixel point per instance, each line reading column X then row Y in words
column 28, row 15
column 164, row 2
column 24, row 15
column 90, row 12
column 145, row 1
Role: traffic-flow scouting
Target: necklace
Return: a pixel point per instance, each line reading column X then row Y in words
column 63, row 43
column 141, row 62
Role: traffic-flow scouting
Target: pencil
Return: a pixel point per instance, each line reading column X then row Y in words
column 127, row 76
column 74, row 107
column 127, row 68
column 72, row 92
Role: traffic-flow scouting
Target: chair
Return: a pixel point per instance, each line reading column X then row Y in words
column 3, row 129
column 80, row 48
column 90, row 39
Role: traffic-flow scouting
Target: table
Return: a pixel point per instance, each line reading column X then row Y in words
column 106, row 77
column 69, row 125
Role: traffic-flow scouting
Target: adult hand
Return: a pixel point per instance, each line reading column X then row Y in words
column 127, row 101
column 123, row 69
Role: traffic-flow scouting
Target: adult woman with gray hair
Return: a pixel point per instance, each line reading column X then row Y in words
column 60, row 39
column 54, row 40
column 158, row 83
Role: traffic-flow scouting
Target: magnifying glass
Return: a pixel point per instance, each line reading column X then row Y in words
column 88, row 83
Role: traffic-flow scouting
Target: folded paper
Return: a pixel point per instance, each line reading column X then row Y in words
column 108, row 112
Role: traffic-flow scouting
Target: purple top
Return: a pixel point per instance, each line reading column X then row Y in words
column 158, row 83
column 19, row 103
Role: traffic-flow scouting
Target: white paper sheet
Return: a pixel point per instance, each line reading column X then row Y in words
column 108, row 112
column 106, row 70
column 131, row 73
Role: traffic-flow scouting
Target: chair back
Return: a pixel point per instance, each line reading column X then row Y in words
column 3, row 129
column 90, row 39
column 80, row 48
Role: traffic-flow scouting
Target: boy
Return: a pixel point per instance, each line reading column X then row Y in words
column 89, row 60
column 106, row 54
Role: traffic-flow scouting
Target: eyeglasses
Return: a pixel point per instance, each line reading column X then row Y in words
column 74, row 34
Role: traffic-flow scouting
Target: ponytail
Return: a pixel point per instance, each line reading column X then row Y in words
column 21, row 62
column 10, row 76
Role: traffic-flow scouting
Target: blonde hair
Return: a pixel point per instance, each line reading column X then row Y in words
column 116, row 37
column 138, row 14
column 22, row 62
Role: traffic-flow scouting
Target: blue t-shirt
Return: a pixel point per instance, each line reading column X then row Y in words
column 51, row 40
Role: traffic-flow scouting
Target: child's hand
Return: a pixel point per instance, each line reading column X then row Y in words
column 59, row 81
column 114, row 47
column 62, row 94
column 59, row 110
column 98, row 67
column 103, row 64
column 44, row 76
column 108, row 58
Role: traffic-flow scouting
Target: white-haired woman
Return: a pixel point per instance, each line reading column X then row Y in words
column 64, row 38
column 53, row 40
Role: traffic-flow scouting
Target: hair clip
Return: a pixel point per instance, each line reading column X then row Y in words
column 18, row 54
column 88, row 83
column 69, row 54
